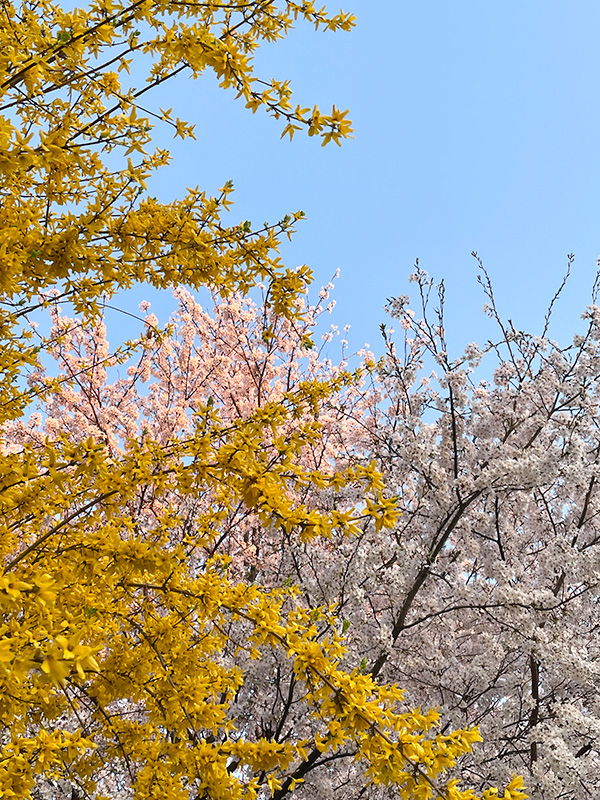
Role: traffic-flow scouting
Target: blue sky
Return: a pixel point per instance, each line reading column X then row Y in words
column 476, row 129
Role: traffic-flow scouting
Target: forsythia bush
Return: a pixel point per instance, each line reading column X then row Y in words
column 126, row 639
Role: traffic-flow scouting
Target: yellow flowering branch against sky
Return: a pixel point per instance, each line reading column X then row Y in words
column 64, row 112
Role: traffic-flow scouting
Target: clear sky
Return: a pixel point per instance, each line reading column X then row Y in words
column 477, row 127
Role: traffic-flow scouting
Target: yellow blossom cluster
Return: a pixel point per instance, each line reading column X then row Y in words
column 105, row 611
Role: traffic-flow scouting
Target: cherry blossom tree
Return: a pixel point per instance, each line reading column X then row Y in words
column 235, row 358
column 485, row 598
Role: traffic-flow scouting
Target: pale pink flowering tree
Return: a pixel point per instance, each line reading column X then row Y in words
column 486, row 598
column 233, row 360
